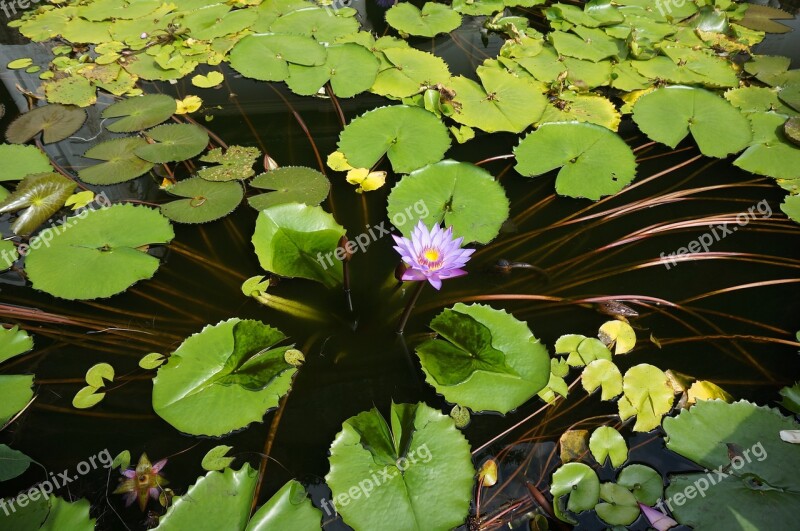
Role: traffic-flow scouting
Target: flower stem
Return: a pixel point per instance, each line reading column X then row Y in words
column 410, row 306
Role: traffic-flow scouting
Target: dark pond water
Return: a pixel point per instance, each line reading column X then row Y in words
column 355, row 360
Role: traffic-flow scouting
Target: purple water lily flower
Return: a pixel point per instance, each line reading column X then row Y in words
column 142, row 482
column 432, row 255
column 657, row 519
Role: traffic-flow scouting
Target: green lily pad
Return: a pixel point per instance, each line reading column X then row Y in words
column 121, row 164
column 140, row 113
column 756, row 99
column 407, row 70
column 205, row 201
column 668, row 115
column 16, row 391
column 8, row 255
column 770, row 153
column 792, row 130
column 235, row 164
column 504, row 102
column 583, row 108
column 103, row 250
column 218, row 500
column 215, row 21
column 618, row 505
column 431, row 20
column 211, row 80
column 291, row 184
column 762, row 18
column 350, row 68
column 594, row 161
column 223, row 378
column 289, row 508
column 324, row 25
column 758, row 488
column 423, row 465
column 410, row 136
column 791, row 398
column 13, row 463
column 13, row 342
column 216, row 458
column 266, row 57
column 73, row 90
column 580, row 483
column 174, row 143
column 645, row 483
column 590, row 44
column 458, row 194
column 486, row 360
column 790, row 95
column 605, row 374
column 40, row 196
column 56, row 122
column 646, row 394
column 293, row 240
column 607, row 442
column 20, row 161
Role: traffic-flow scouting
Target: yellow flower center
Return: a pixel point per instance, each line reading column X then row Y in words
column 431, row 255
column 431, row 258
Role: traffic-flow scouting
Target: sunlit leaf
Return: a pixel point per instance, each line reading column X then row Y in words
column 121, row 163
column 644, row 482
column 97, row 375
column 87, row 397
column 291, row 184
column 606, row 442
column 216, row 458
column 580, row 483
column 40, row 196
column 605, row 374
column 174, row 143
column 289, row 508
column 20, row 161
column 210, row 80
column 646, row 394
column 618, row 506
column 618, row 334
column 431, row 20
column 235, row 163
column 205, row 201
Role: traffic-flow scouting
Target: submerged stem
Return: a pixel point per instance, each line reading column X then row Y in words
column 410, row 306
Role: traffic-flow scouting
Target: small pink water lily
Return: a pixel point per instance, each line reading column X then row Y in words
column 432, row 255
column 657, row 519
column 143, row 481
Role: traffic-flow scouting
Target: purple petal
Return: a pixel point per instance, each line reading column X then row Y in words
column 435, row 282
column 130, row 497
column 156, row 468
column 657, row 519
column 153, row 492
column 129, row 473
column 452, row 273
column 413, row 274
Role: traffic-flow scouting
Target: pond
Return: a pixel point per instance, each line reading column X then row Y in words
column 626, row 324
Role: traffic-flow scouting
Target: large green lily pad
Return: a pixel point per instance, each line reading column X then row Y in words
column 289, row 508
column 458, row 194
column 174, row 143
column 121, row 163
column 56, row 122
column 16, row 391
column 757, row 488
column 291, row 184
column 485, row 360
column 139, row 113
column 770, row 153
column 97, row 253
column 223, row 378
column 205, row 201
column 266, row 57
column 350, row 68
column 410, row 136
column 416, row 474
column 20, row 161
column 432, row 19
column 594, row 161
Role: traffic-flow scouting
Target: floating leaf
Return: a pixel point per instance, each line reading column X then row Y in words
column 669, row 114
column 217, row 20
column 407, row 70
column 80, row 200
column 411, row 137
column 152, row 361
column 102, row 248
column 792, row 130
column 266, row 57
column 763, row 476
column 426, row 458
column 769, row 152
column 580, row 483
column 582, row 350
column 14, row 342
column 56, row 122
column 646, row 394
column 292, row 240
column 644, row 482
column 223, row 378
column 19, row 64
column 619, row 335
column 140, row 113
column 291, row 184
column 205, row 201
column 504, row 102
column 188, row 105
column 483, row 350
column 461, row 416
column 87, row 397
column 606, row 442
column 122, row 460
column 791, row 207
column 13, row 463
column 216, row 458
column 602, row 373
column 594, row 161
column 350, row 68
column 762, row 18
column 791, row 398
column 573, row 445
column 41, row 196
column 705, row 390
column 325, row 25
column 218, row 500
column 236, row 163
column 487, row 475
column 121, row 163
column 16, row 392
column 73, row 90
column 431, row 20
column 618, row 505
column 21, row 161
column 211, row 80
column 367, row 181
column 97, row 375
column 289, row 508
column 8, row 255
column 457, row 194
column 175, row 143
